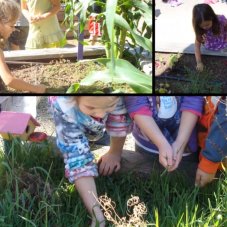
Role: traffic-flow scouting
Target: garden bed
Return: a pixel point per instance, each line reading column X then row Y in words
column 58, row 76
column 176, row 73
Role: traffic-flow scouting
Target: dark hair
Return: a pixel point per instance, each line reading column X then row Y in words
column 204, row 12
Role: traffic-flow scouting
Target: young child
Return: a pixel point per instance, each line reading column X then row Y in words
column 164, row 126
column 9, row 13
column 44, row 29
column 78, row 120
column 18, row 38
column 94, row 26
column 210, row 30
column 212, row 139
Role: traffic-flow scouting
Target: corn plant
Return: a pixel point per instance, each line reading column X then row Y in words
column 120, row 22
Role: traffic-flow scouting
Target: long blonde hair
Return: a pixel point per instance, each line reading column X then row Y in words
column 9, row 11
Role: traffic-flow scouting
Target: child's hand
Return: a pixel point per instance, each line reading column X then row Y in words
column 200, row 66
column 34, row 19
column 97, row 217
column 40, row 88
column 178, row 149
column 109, row 163
column 166, row 156
column 203, row 178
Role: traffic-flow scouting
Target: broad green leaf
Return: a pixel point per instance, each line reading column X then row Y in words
column 94, row 76
column 111, row 6
column 146, row 9
column 143, row 42
column 73, row 88
column 124, row 73
column 83, row 12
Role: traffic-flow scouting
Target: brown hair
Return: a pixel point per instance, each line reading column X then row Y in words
column 204, row 12
column 9, row 12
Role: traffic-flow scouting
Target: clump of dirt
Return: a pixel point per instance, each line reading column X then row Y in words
column 58, row 76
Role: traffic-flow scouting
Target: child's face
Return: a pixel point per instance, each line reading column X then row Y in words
column 206, row 25
column 7, row 28
column 97, row 107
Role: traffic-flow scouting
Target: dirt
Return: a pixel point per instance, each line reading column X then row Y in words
column 59, row 75
column 176, row 73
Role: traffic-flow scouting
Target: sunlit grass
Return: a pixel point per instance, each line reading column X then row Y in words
column 34, row 192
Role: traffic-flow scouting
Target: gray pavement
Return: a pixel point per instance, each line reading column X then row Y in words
column 173, row 27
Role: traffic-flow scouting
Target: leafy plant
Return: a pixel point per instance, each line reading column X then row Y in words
column 120, row 25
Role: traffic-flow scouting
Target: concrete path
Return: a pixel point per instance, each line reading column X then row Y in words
column 173, row 27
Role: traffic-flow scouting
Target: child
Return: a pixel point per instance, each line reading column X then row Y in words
column 212, row 139
column 78, row 120
column 210, row 30
column 9, row 13
column 44, row 29
column 94, row 26
column 165, row 125
column 18, row 38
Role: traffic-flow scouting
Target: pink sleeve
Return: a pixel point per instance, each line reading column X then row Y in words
column 194, row 112
column 142, row 111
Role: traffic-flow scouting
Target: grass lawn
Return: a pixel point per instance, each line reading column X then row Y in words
column 34, row 192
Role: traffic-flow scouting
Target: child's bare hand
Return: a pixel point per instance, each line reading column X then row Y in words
column 203, row 178
column 97, row 217
column 166, row 156
column 200, row 66
column 34, row 19
column 178, row 150
column 109, row 163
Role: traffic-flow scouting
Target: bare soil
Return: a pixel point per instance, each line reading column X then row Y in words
column 58, row 76
column 175, row 73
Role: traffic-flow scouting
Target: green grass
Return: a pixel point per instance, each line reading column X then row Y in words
column 198, row 82
column 34, row 192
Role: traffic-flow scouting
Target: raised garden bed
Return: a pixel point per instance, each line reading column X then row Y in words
column 176, row 73
column 59, row 75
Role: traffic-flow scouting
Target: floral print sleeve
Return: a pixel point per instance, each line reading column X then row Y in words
column 72, row 141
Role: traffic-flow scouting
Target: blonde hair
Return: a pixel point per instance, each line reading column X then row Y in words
column 9, row 12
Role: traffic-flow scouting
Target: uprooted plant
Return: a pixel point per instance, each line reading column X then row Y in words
column 135, row 208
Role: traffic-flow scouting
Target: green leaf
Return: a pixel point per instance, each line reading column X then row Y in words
column 143, row 42
column 147, row 15
column 124, row 72
column 94, row 76
column 73, row 88
column 83, row 12
column 111, row 6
